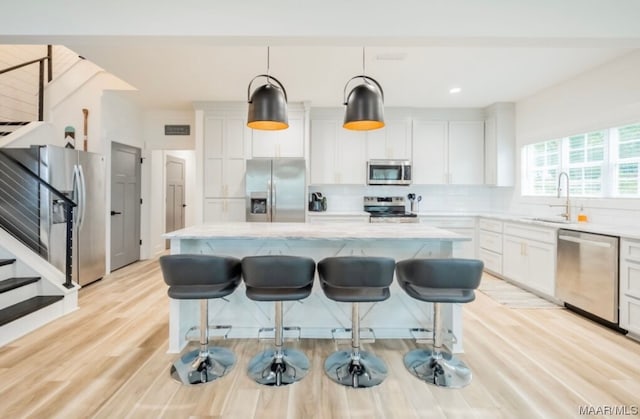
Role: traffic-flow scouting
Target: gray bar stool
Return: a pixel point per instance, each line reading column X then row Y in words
column 439, row 281
column 278, row 278
column 356, row 279
column 201, row 277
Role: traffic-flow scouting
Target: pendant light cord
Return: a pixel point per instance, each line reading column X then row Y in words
column 268, row 63
column 364, row 73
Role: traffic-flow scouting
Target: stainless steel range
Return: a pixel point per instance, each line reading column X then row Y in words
column 388, row 209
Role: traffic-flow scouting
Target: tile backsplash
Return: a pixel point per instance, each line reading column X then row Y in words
column 437, row 198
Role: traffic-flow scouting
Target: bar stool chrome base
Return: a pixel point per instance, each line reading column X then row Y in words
column 194, row 368
column 441, row 369
column 363, row 369
column 272, row 370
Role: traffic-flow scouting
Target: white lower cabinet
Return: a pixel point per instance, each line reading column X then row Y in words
column 531, row 263
column 218, row 210
column 630, row 286
column 490, row 244
column 465, row 226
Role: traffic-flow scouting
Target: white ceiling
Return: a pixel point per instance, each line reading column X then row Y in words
column 177, row 53
column 173, row 76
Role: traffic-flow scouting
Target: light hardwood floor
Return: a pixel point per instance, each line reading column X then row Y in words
column 108, row 360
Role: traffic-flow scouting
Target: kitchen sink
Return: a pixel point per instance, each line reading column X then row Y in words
column 547, row 220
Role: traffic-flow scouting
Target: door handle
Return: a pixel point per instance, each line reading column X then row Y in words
column 184, row 205
column 115, row 213
column 584, row 241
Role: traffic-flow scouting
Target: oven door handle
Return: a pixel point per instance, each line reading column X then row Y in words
column 583, row 241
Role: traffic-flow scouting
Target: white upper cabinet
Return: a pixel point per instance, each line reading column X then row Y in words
column 337, row 154
column 391, row 142
column 448, row 152
column 281, row 143
column 224, row 156
column 500, row 145
column 430, row 152
column 466, row 152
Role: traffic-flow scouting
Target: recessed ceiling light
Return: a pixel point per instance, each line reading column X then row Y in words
column 455, row 90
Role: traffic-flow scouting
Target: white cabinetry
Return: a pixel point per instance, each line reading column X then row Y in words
column 464, row 226
column 630, row 286
column 337, row 154
column 225, row 141
column 218, row 210
column 448, row 152
column 281, row 143
column 499, row 151
column 391, row 142
column 529, row 256
column 490, row 244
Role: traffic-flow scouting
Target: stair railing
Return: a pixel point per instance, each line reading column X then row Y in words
column 41, row 61
column 20, row 209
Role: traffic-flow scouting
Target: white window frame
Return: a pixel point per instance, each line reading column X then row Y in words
column 611, row 160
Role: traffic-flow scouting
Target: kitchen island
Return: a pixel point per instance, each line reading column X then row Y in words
column 317, row 315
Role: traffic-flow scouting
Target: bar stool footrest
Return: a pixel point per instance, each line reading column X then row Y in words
column 344, row 333
column 294, row 333
column 423, row 335
column 214, row 332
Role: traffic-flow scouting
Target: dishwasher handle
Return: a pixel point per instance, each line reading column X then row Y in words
column 583, row 241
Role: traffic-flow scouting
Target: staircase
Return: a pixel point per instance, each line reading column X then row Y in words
column 7, row 128
column 27, row 299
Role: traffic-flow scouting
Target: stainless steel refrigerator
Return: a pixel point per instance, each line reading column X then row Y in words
column 275, row 190
column 80, row 175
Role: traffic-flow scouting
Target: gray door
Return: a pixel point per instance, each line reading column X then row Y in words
column 125, row 205
column 175, row 204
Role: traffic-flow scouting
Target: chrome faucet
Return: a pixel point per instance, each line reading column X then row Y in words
column 567, row 205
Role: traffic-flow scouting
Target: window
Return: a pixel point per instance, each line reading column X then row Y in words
column 544, row 161
column 599, row 163
column 585, row 160
column 626, row 160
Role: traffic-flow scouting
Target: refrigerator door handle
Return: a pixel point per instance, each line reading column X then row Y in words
column 76, row 194
column 274, row 203
column 269, row 197
column 83, row 197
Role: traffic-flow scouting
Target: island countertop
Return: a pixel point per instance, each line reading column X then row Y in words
column 307, row 231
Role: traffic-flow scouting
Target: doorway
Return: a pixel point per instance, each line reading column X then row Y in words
column 175, row 205
column 125, row 205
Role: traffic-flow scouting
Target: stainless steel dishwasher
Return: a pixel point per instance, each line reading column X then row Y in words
column 587, row 274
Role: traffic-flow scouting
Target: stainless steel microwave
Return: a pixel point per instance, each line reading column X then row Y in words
column 389, row 172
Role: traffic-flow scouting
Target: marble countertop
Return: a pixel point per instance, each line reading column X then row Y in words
column 324, row 231
column 631, row 232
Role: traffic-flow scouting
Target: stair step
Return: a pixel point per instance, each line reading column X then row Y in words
column 14, row 312
column 13, row 283
column 6, row 261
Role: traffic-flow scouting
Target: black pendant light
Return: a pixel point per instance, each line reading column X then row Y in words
column 365, row 104
column 267, row 104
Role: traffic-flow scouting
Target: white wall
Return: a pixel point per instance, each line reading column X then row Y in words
column 604, row 97
column 157, row 195
column 178, row 146
column 154, row 122
column 121, row 122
